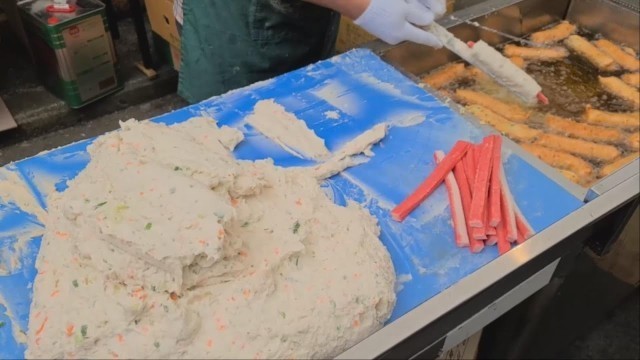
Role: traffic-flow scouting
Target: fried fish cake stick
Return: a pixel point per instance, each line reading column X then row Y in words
column 556, row 33
column 571, row 176
column 634, row 141
column 611, row 168
column 513, row 112
column 584, row 131
column 624, row 59
column 629, row 50
column 518, row 132
column 631, row 79
column 477, row 74
column 480, row 76
column 629, row 120
column 586, row 149
column 617, row 87
column 530, row 53
column 584, row 48
column 560, row 160
column 518, row 61
column 445, row 75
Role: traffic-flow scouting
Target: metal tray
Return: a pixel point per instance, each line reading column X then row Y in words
column 466, row 307
column 615, row 19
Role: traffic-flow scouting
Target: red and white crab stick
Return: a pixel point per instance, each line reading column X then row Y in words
column 463, row 180
column 508, row 205
column 503, row 243
column 455, row 204
column 481, row 184
column 470, row 162
column 525, row 231
column 482, row 206
column 542, row 99
column 400, row 212
column 495, row 214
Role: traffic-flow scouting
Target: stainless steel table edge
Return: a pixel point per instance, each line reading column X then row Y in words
column 605, row 197
column 612, row 180
column 393, row 334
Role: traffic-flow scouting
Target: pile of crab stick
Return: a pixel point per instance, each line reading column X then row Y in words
column 482, row 206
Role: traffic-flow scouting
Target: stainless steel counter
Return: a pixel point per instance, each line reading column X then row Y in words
column 458, row 312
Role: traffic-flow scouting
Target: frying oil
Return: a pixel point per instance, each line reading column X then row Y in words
column 570, row 84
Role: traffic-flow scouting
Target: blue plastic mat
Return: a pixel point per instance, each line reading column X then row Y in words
column 338, row 98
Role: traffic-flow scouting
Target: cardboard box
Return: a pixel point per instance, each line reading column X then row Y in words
column 162, row 20
column 7, row 122
column 163, row 24
column 175, row 57
column 168, row 53
column 351, row 35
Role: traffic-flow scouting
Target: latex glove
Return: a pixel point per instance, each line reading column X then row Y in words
column 437, row 7
column 394, row 21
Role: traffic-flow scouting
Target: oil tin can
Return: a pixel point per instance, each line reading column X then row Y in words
column 73, row 49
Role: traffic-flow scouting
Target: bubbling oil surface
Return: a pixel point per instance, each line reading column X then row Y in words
column 570, row 85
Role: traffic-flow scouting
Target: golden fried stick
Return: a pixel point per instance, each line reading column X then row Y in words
column 631, row 79
column 445, row 75
column 518, row 61
column 611, row 168
column 560, row 159
column 556, row 33
column 530, row 53
column 445, row 94
column 584, row 131
column 617, row 87
column 629, row 51
column 480, row 76
column 624, row 59
column 579, row 147
column 584, row 48
column 513, row 112
column 571, row 176
column 629, row 120
column 634, row 141
column 518, row 132
column 477, row 74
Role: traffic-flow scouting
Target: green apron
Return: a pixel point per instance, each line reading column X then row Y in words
column 227, row 44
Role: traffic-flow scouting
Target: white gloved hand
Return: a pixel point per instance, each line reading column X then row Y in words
column 394, row 21
column 437, row 7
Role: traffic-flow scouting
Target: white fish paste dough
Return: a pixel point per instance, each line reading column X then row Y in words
column 165, row 246
column 284, row 128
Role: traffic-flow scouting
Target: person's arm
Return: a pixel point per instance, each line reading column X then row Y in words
column 392, row 21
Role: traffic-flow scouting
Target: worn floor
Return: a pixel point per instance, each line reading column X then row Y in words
column 615, row 338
